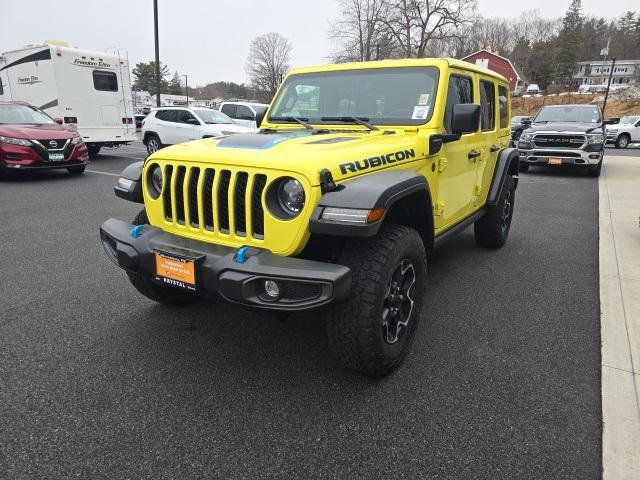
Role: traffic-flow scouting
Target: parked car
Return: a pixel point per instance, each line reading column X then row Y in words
column 626, row 131
column 564, row 135
column 245, row 113
column 140, row 113
column 337, row 208
column 32, row 140
column 517, row 126
column 171, row 125
column 533, row 89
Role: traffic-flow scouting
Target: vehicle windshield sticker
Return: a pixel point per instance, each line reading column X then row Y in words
column 424, row 99
column 420, row 112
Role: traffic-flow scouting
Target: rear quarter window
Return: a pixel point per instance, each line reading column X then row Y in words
column 503, row 100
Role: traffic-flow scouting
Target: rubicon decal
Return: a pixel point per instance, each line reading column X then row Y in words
column 372, row 162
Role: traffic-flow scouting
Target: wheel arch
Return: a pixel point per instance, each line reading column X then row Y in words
column 508, row 163
column 149, row 133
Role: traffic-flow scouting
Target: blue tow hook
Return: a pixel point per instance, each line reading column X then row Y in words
column 136, row 231
column 241, row 254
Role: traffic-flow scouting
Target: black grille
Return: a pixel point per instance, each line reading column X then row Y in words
column 179, row 193
column 554, row 141
column 257, row 214
column 223, row 201
column 239, row 200
column 166, row 196
column 302, row 291
column 194, row 217
column 207, row 198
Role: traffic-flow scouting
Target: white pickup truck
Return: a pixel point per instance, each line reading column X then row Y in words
column 625, row 132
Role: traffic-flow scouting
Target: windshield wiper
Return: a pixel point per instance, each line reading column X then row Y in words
column 357, row 120
column 302, row 121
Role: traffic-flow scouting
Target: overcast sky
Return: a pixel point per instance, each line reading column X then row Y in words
column 209, row 39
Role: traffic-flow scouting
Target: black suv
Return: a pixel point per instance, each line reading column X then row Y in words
column 564, row 135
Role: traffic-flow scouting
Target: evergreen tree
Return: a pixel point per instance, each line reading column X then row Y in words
column 174, row 85
column 569, row 41
column 144, row 77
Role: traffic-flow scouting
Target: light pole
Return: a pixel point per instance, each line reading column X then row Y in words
column 155, row 31
column 186, row 86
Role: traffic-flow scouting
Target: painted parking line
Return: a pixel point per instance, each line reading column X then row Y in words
column 103, row 173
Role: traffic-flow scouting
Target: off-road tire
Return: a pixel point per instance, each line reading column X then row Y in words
column 595, row 170
column 524, row 167
column 77, row 170
column 622, row 141
column 492, row 229
column 94, row 150
column 355, row 326
column 153, row 144
column 153, row 291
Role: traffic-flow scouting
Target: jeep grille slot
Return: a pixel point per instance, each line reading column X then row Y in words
column 179, row 194
column 223, row 201
column 207, row 198
column 240, row 212
column 194, row 217
column 212, row 201
column 166, row 193
column 257, row 214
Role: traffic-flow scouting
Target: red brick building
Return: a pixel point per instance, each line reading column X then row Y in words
column 501, row 65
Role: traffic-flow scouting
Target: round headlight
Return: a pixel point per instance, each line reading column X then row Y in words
column 156, row 178
column 291, row 196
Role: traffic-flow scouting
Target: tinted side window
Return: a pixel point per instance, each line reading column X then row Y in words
column 487, row 105
column 229, row 110
column 460, row 90
column 167, row 115
column 245, row 113
column 1, row 87
column 105, row 81
column 503, row 98
column 184, row 116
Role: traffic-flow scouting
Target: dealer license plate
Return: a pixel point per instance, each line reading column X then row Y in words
column 176, row 271
column 555, row 161
column 56, row 157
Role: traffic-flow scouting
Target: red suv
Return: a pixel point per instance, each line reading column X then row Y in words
column 32, row 140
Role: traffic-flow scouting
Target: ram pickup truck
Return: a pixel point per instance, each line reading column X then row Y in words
column 625, row 132
column 358, row 173
column 564, row 135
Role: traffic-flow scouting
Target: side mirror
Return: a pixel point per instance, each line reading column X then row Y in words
column 526, row 121
column 58, row 121
column 193, row 121
column 466, row 118
column 611, row 121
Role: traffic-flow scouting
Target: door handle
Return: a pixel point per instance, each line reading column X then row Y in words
column 494, row 148
column 473, row 154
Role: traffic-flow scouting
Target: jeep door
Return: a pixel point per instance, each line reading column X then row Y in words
column 456, row 169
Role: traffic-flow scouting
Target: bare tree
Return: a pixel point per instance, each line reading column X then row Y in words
column 268, row 61
column 361, row 31
column 416, row 23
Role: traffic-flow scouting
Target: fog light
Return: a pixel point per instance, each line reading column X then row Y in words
column 271, row 288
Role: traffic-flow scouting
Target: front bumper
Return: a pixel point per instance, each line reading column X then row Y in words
column 41, row 165
column 531, row 155
column 304, row 284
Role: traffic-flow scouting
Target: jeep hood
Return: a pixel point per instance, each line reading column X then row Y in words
column 344, row 154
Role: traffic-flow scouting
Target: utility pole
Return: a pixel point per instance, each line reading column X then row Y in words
column 155, row 31
column 606, row 95
column 186, row 86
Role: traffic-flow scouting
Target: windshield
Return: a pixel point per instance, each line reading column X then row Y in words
column 629, row 119
column 212, row 116
column 389, row 96
column 568, row 114
column 23, row 114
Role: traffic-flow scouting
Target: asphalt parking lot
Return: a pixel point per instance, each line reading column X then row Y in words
column 99, row 382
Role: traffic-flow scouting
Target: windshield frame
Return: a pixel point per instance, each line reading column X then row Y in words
column 28, row 107
column 576, row 107
column 433, row 69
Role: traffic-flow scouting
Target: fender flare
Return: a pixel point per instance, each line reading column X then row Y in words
column 508, row 163
column 133, row 191
column 147, row 134
column 368, row 192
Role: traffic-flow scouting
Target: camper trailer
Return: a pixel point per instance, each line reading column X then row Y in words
column 91, row 90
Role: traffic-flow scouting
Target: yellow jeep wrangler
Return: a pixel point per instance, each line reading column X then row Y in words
column 358, row 173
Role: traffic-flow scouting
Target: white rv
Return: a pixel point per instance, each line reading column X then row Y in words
column 91, row 90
